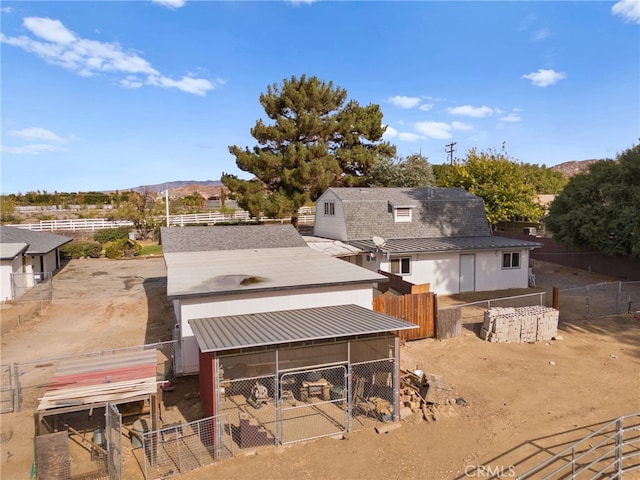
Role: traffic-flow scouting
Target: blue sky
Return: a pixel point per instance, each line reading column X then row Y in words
column 111, row 95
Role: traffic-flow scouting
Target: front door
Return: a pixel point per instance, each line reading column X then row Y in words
column 467, row 273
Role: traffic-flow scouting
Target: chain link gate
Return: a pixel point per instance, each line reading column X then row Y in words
column 6, row 389
column 114, row 441
column 312, row 404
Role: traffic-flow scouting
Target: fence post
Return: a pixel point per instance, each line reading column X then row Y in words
column 618, row 297
column 587, row 303
column 18, row 392
column 619, row 443
column 555, row 302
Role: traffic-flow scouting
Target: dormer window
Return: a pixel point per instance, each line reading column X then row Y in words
column 402, row 213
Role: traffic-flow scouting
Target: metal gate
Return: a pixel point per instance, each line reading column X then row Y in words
column 6, row 389
column 312, row 404
column 114, row 441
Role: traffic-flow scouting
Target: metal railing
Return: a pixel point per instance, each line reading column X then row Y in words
column 611, row 451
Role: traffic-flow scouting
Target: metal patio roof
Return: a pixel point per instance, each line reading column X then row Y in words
column 217, row 334
column 436, row 245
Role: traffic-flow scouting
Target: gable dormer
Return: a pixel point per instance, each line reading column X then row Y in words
column 402, row 213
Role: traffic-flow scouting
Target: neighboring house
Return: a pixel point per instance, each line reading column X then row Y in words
column 26, row 257
column 247, row 269
column 439, row 236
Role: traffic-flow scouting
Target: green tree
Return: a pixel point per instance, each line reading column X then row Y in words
column 144, row 211
column 411, row 171
column 313, row 141
column 7, row 208
column 600, row 209
column 499, row 181
column 543, row 179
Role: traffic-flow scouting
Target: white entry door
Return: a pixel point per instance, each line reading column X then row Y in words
column 467, row 273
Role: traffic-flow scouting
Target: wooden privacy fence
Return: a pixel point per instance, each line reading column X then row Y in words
column 418, row 308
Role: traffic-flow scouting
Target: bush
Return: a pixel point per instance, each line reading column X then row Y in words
column 111, row 234
column 122, row 248
column 92, row 249
column 78, row 249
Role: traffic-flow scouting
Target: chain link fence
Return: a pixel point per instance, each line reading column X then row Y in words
column 601, row 299
column 6, row 389
column 174, row 450
column 590, row 301
column 32, row 292
column 373, row 394
column 113, row 434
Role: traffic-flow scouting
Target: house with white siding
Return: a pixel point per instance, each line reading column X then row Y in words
column 27, row 257
column 438, row 236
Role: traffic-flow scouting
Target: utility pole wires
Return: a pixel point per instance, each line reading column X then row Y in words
column 450, row 151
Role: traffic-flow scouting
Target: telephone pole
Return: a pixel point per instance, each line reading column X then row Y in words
column 450, row 151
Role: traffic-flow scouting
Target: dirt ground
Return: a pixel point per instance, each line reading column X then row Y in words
column 522, row 400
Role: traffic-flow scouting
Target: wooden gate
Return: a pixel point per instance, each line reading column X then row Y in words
column 418, row 308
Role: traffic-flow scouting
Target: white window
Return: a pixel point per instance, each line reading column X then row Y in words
column 329, row 208
column 402, row 214
column 401, row 266
column 511, row 260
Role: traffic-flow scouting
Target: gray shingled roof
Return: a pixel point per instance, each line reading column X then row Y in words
column 9, row 251
column 434, row 245
column 437, row 213
column 40, row 243
column 264, row 269
column 271, row 328
column 229, row 237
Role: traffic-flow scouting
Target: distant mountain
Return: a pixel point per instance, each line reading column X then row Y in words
column 181, row 188
column 569, row 169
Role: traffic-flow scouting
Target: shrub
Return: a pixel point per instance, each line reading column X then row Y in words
column 78, row 249
column 111, row 234
column 123, row 247
column 92, row 249
column 71, row 250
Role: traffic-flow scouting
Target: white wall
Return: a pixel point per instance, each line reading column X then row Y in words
column 330, row 226
column 218, row 306
column 442, row 271
column 7, row 267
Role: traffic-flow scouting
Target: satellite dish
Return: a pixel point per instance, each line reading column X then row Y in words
column 379, row 241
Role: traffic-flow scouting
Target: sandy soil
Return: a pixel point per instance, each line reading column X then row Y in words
column 519, row 406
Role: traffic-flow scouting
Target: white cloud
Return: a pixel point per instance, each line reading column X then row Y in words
column 628, row 9
column 461, row 126
column 540, row 34
column 439, row 130
column 49, row 30
column 409, row 137
column 511, row 118
column 300, row 2
column 390, row 132
column 170, row 3
column 38, row 134
column 6, row 9
column 470, row 111
column 544, row 78
column 59, row 46
column 33, row 149
column 425, row 107
column 404, row 102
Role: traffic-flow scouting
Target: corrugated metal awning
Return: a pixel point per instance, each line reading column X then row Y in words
column 110, row 378
column 450, row 244
column 217, row 334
